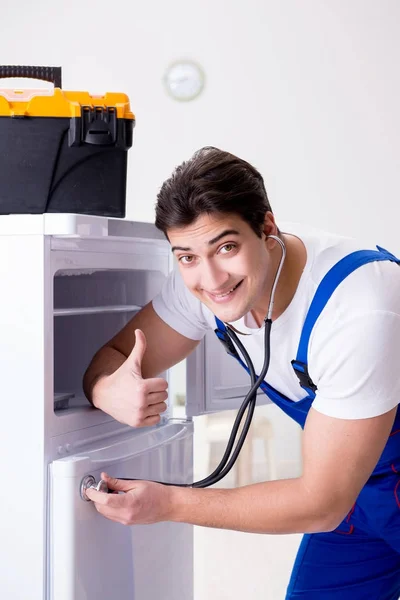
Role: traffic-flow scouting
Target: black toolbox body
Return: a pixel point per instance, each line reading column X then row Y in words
column 63, row 151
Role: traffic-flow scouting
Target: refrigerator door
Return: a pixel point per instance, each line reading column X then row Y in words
column 215, row 380
column 92, row 558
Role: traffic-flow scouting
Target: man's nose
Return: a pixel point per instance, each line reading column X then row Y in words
column 213, row 278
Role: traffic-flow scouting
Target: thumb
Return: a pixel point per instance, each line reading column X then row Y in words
column 118, row 485
column 134, row 360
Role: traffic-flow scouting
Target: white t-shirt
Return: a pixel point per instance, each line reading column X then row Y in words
column 354, row 349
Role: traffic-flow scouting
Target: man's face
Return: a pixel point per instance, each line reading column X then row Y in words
column 224, row 264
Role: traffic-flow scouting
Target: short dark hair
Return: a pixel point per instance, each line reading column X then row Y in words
column 212, row 181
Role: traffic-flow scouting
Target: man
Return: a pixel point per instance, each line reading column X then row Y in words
column 215, row 212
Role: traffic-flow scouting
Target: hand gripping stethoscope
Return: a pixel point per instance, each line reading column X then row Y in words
column 229, row 458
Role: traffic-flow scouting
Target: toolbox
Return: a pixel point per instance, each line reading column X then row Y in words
column 62, row 151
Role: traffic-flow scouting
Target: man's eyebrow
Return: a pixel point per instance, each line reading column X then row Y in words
column 223, row 234
column 180, row 248
column 211, row 242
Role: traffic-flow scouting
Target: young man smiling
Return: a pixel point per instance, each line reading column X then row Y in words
column 215, row 212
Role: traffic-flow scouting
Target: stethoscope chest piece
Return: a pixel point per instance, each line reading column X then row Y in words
column 90, row 482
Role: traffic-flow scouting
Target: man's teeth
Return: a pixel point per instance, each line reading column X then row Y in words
column 226, row 293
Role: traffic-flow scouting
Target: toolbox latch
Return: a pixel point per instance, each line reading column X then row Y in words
column 97, row 126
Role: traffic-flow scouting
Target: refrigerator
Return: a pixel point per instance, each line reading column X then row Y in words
column 68, row 284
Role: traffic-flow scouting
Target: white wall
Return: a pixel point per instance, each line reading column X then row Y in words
column 308, row 90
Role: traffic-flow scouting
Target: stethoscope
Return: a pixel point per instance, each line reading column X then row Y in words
column 231, row 454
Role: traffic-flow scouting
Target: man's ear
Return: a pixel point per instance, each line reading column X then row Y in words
column 269, row 225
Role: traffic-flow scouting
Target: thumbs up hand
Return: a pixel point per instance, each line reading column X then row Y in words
column 134, row 360
column 129, row 398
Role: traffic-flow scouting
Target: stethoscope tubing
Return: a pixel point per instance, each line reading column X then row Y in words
column 249, row 401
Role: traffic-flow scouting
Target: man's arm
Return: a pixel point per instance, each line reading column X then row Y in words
column 338, row 457
column 107, row 381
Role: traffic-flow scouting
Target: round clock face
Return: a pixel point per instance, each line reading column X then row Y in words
column 184, row 80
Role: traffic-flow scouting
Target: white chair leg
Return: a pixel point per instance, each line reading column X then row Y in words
column 203, row 445
column 245, row 462
column 269, row 457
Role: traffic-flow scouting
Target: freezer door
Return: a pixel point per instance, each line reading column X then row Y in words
column 92, row 558
column 214, row 380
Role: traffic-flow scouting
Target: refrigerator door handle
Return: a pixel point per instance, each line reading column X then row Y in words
column 110, row 459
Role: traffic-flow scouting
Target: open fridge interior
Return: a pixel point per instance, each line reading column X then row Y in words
column 90, row 307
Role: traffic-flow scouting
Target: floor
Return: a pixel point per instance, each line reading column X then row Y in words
column 234, row 565
column 231, row 565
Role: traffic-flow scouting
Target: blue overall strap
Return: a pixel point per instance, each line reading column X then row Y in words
column 329, row 283
column 229, row 346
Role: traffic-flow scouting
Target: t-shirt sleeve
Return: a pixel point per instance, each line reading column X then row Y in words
column 355, row 366
column 180, row 309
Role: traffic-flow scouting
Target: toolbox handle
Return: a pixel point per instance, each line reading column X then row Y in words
column 51, row 74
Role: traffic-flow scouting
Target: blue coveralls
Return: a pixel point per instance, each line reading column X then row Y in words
column 361, row 558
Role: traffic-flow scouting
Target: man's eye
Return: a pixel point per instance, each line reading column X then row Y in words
column 227, row 248
column 186, row 259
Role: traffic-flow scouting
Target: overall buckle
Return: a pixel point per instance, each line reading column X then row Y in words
column 301, row 371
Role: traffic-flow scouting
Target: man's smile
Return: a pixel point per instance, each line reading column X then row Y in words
column 224, row 296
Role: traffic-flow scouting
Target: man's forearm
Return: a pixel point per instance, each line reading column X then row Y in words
column 105, row 362
column 274, row 507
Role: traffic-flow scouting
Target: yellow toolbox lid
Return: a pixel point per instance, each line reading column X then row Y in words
column 59, row 103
